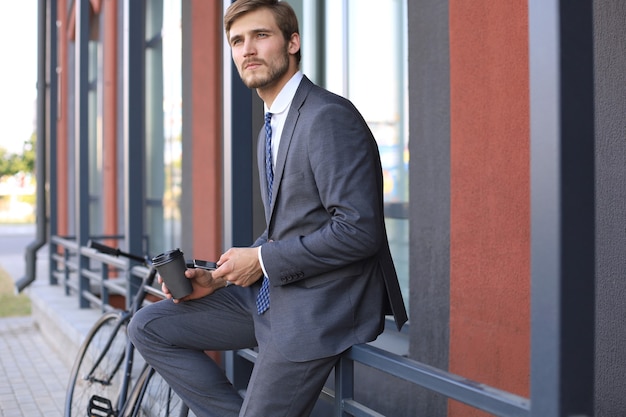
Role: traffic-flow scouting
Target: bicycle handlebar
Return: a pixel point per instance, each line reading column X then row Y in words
column 108, row 250
column 114, row 251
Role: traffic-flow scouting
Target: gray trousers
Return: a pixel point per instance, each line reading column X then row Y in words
column 173, row 337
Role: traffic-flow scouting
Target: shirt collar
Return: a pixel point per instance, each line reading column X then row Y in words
column 283, row 100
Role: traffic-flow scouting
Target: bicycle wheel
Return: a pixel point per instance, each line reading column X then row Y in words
column 153, row 397
column 98, row 368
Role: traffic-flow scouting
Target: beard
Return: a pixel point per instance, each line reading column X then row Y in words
column 275, row 70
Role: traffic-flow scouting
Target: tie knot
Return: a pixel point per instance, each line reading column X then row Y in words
column 268, row 117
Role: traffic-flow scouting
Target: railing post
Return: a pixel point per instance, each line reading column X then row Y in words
column 66, row 270
column 103, row 288
column 344, row 384
column 52, row 250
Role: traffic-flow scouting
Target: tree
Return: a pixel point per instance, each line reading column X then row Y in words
column 11, row 164
column 29, row 154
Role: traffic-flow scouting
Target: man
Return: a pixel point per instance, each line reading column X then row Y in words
column 324, row 256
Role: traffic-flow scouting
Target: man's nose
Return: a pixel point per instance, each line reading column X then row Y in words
column 248, row 48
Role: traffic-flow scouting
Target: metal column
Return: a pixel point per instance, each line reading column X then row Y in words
column 81, row 118
column 52, row 115
column 134, row 136
column 563, row 208
column 241, row 211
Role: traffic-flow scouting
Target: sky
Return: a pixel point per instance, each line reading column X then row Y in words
column 18, row 72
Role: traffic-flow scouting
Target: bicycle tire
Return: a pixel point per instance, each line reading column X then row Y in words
column 153, row 397
column 98, row 368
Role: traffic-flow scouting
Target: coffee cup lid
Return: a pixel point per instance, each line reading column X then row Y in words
column 166, row 256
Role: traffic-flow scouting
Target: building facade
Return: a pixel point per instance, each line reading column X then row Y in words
column 501, row 129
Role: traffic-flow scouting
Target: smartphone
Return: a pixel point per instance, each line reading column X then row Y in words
column 198, row 263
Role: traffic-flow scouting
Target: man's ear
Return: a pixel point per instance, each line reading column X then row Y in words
column 294, row 44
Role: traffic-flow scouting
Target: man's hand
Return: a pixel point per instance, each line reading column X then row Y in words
column 202, row 281
column 239, row 266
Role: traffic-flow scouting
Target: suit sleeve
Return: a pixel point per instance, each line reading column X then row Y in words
column 342, row 223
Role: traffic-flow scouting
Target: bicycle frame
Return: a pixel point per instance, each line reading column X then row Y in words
column 104, row 369
column 138, row 300
column 130, row 348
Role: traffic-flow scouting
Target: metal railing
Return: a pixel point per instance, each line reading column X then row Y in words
column 478, row 395
column 472, row 393
column 111, row 275
column 64, row 268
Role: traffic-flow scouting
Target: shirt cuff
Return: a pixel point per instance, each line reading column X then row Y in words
column 261, row 262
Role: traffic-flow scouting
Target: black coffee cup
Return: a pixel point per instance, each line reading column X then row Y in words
column 171, row 267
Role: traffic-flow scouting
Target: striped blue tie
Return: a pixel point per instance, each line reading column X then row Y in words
column 263, row 299
column 269, row 168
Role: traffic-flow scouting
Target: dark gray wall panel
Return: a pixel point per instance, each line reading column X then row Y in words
column 429, row 145
column 610, row 80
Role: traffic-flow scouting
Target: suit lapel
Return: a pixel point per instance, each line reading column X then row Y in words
column 287, row 135
column 261, row 167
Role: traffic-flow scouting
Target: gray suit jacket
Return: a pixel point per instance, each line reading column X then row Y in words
column 325, row 247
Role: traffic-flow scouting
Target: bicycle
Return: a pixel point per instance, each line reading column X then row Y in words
column 100, row 382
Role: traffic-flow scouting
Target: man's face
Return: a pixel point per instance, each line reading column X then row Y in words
column 259, row 50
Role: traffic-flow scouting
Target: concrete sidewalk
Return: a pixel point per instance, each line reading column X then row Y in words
column 34, row 377
column 37, row 351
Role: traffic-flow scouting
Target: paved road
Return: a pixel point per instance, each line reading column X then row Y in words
column 13, row 242
column 33, row 378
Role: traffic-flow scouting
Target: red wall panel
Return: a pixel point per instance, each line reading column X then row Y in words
column 206, row 128
column 490, row 196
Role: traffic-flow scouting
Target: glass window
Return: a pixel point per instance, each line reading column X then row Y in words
column 172, row 121
column 163, row 124
column 94, row 117
column 366, row 58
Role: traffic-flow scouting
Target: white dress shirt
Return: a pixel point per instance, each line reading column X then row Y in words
column 280, row 108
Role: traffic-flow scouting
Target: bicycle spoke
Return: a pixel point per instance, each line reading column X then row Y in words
column 97, row 371
column 153, row 397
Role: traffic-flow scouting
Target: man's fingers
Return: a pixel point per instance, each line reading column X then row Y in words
column 165, row 290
